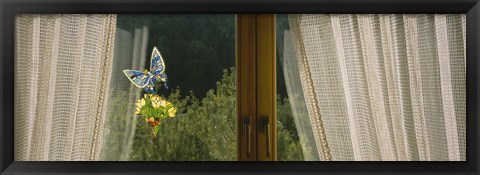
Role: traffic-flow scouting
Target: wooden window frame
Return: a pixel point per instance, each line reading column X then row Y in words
column 256, row 87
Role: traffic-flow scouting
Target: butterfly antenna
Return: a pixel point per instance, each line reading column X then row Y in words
column 165, row 84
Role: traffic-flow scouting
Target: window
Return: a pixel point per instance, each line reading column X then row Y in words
column 79, row 105
column 250, row 87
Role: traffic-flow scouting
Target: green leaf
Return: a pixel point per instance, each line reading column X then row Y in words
column 155, row 130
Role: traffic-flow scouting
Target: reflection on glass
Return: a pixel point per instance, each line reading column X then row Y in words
column 295, row 136
column 198, row 52
column 77, row 103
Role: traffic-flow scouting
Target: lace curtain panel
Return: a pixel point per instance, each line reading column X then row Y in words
column 62, row 71
column 130, row 53
column 377, row 87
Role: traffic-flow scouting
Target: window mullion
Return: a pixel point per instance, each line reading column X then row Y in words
column 266, row 87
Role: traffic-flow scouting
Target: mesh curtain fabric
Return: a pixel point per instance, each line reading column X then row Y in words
column 130, row 53
column 62, row 71
column 377, row 87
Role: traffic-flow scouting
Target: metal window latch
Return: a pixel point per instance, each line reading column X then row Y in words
column 247, row 130
column 265, row 122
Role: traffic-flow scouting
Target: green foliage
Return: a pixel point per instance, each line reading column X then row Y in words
column 201, row 130
column 196, row 49
column 288, row 144
column 115, row 126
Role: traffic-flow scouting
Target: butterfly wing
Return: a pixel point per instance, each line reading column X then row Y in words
column 150, row 88
column 163, row 78
column 139, row 79
column 157, row 66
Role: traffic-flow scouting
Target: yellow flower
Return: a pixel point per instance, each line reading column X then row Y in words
column 147, row 95
column 163, row 103
column 172, row 111
column 157, row 101
column 137, row 111
column 139, row 104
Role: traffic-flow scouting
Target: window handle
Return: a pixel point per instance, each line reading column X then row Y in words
column 248, row 132
column 266, row 129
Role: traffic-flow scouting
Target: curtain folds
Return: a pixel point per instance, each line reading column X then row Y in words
column 378, row 87
column 130, row 53
column 62, row 72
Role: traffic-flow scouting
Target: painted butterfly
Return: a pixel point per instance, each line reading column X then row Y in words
column 147, row 79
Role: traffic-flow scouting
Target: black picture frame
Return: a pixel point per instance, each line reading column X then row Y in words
column 9, row 8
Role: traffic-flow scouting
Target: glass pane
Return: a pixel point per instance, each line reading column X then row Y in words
column 94, row 94
column 294, row 132
column 199, row 55
column 371, row 87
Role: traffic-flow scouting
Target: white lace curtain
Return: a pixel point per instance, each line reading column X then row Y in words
column 62, row 70
column 377, row 87
column 130, row 53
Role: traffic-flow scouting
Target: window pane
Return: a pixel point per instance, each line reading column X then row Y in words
column 199, row 56
column 79, row 103
column 294, row 132
column 371, row 87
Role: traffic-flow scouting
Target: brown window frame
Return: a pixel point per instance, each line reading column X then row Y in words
column 256, row 87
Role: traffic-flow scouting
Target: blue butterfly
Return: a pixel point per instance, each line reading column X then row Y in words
column 147, row 79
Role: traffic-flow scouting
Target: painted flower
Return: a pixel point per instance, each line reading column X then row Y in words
column 139, row 104
column 157, row 101
column 137, row 111
column 151, row 121
column 172, row 111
